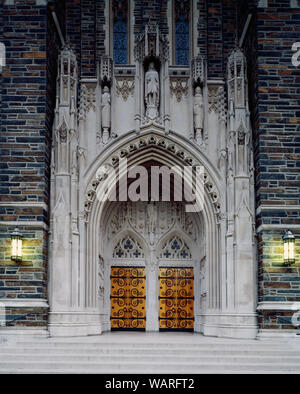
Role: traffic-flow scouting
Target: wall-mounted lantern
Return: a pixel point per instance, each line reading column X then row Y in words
column 16, row 245
column 288, row 248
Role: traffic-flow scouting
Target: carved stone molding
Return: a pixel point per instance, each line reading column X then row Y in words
column 125, row 87
column 90, row 99
column 87, row 100
column 163, row 144
column 213, row 98
column 221, row 104
column 179, row 87
column 152, row 222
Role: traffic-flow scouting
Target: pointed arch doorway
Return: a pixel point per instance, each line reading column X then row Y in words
column 151, row 279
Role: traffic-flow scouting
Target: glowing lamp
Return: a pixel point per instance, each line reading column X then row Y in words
column 288, row 248
column 16, row 245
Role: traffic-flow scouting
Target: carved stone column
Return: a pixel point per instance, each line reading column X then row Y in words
column 240, row 249
column 152, row 292
column 64, row 240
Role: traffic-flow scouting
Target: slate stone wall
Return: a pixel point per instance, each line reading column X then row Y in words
column 274, row 97
column 27, row 109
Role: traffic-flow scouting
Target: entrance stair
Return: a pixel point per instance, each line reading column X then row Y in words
column 140, row 353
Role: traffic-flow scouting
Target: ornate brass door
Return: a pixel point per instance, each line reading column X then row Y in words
column 128, row 298
column 176, row 299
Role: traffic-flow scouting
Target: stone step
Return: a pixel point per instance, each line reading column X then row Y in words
column 32, row 357
column 141, row 351
column 144, row 367
column 148, row 345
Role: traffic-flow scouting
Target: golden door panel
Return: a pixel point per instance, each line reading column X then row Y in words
column 128, row 298
column 176, row 299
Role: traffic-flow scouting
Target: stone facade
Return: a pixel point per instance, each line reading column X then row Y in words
column 249, row 147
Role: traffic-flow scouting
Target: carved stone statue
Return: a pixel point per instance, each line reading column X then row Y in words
column 152, row 91
column 198, row 114
column 105, row 114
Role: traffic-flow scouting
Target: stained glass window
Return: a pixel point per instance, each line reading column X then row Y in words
column 120, row 31
column 182, row 32
column 120, row 40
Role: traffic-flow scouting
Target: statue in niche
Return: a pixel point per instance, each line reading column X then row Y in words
column 105, row 114
column 198, row 115
column 152, row 91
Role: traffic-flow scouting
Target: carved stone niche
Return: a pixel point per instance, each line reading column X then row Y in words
column 105, row 70
column 151, row 43
column 199, row 70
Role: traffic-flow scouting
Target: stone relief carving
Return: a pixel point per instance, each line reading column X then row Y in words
column 213, row 96
column 151, row 220
column 90, row 99
column 179, row 88
column 221, row 105
column 125, row 87
column 87, row 100
column 62, row 133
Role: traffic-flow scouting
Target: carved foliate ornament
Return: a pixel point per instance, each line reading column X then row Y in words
column 179, row 88
column 125, row 87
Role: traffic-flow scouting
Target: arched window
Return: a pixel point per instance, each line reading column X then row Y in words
column 120, row 31
column 182, row 39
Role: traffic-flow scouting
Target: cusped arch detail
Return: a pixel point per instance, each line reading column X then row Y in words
column 170, row 151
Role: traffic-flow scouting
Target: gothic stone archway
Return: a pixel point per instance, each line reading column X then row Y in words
column 226, row 309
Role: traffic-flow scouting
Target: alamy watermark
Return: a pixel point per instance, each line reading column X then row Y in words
column 138, row 183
